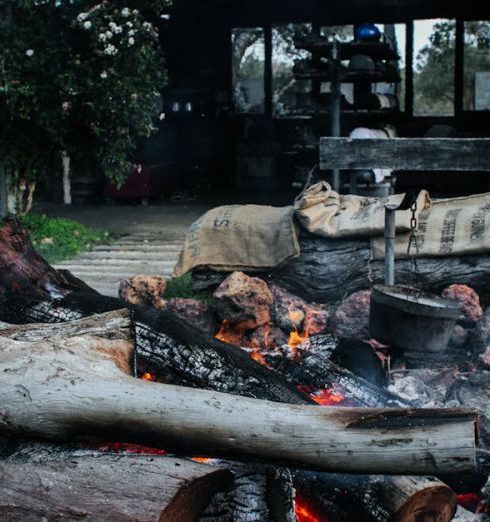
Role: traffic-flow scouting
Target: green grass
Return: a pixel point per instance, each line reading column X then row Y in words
column 57, row 239
column 182, row 287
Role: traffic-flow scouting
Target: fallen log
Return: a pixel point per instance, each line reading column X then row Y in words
column 65, row 388
column 46, row 482
column 328, row 270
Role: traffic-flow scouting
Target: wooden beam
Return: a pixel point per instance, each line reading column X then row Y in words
column 453, row 154
column 459, row 69
column 409, row 59
column 3, row 192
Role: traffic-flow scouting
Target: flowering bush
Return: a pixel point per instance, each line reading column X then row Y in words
column 78, row 76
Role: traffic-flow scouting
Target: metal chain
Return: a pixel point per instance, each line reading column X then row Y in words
column 413, row 240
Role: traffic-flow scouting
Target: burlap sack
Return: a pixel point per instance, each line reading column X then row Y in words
column 240, row 237
column 324, row 212
column 454, row 226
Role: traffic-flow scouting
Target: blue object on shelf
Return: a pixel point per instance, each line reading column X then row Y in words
column 367, row 33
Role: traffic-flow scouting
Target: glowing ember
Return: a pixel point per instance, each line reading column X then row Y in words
column 469, row 501
column 331, row 396
column 123, row 447
column 305, row 514
column 201, row 460
column 148, row 377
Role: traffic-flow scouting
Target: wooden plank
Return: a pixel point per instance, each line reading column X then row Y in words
column 454, row 154
column 3, row 192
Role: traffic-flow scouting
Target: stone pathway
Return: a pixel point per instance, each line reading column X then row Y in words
column 136, row 254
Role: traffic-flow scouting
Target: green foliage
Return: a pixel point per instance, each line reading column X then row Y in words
column 182, row 287
column 80, row 76
column 434, row 74
column 59, row 239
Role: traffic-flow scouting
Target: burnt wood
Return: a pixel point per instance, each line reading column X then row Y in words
column 81, row 386
column 328, row 270
column 43, row 481
column 455, row 154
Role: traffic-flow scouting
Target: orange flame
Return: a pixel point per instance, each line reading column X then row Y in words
column 331, row 396
column 201, row 460
column 304, row 513
column 148, row 377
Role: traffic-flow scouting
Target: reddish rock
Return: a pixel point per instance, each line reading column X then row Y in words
column 351, row 319
column 243, row 301
column 480, row 336
column 144, row 290
column 486, row 357
column 290, row 312
column 265, row 338
column 469, row 300
column 195, row 312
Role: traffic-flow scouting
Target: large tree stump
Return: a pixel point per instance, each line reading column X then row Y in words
column 330, row 269
column 63, row 388
column 46, row 482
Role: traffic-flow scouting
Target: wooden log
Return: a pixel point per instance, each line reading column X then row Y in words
column 47, row 482
column 453, row 154
column 376, row 499
column 328, row 270
column 63, row 388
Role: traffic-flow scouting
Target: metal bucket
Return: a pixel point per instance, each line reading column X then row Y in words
column 412, row 320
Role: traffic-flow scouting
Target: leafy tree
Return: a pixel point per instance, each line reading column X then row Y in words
column 434, row 73
column 77, row 77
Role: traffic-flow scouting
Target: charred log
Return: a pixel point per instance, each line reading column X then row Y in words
column 375, row 499
column 52, row 482
column 330, row 269
column 74, row 389
column 168, row 345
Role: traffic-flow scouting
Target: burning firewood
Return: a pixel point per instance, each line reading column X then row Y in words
column 57, row 482
column 75, row 385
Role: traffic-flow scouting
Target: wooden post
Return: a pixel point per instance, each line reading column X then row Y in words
column 409, row 71
column 3, row 191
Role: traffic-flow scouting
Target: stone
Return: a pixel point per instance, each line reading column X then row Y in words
column 198, row 313
column 459, row 337
column 289, row 312
column 468, row 299
column 479, row 341
column 351, row 318
column 144, row 290
column 243, row 301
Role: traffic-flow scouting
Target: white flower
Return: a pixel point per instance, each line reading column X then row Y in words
column 118, row 29
column 87, row 25
column 103, row 74
column 102, row 37
column 29, row 52
column 110, row 50
column 165, row 17
column 131, row 41
column 82, row 16
column 147, row 26
column 129, row 24
column 131, row 32
column 108, row 35
column 162, row 116
column 125, row 12
column 135, row 11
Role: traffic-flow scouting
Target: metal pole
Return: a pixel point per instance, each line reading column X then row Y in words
column 390, row 233
column 335, row 108
column 3, row 192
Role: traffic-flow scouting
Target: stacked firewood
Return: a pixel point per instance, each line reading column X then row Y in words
column 69, row 384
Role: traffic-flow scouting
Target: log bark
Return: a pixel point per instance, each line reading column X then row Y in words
column 45, row 482
column 328, row 270
column 375, row 499
column 64, row 388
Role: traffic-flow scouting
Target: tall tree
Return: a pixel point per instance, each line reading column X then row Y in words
column 78, row 78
